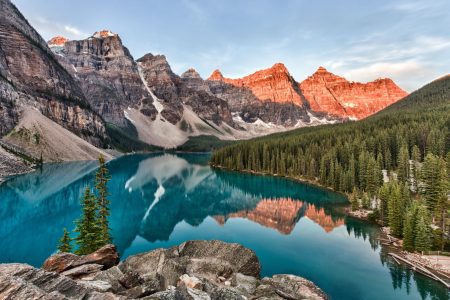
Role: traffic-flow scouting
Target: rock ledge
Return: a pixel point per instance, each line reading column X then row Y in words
column 193, row 270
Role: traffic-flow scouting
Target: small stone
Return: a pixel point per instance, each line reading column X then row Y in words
column 191, row 282
column 227, row 283
column 97, row 285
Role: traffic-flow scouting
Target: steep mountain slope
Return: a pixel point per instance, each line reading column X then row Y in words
column 41, row 137
column 30, row 75
column 335, row 95
column 340, row 156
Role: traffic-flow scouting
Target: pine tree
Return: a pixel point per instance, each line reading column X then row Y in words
column 65, row 242
column 403, row 164
column 354, row 201
column 422, row 239
column 409, row 228
column 89, row 237
column 101, row 180
column 435, row 183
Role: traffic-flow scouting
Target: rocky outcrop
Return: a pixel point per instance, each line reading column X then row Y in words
column 106, row 257
column 336, row 96
column 192, row 270
column 108, row 75
column 30, row 75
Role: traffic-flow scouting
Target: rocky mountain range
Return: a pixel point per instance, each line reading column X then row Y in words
column 89, row 86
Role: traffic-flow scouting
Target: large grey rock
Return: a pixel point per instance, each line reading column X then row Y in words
column 289, row 287
column 113, row 276
column 246, row 285
column 19, row 281
column 242, row 260
column 195, row 270
column 82, row 271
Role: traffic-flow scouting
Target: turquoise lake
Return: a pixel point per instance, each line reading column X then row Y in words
column 161, row 200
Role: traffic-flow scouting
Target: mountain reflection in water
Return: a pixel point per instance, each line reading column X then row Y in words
column 162, row 200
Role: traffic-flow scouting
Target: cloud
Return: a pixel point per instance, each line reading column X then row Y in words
column 49, row 29
column 408, row 74
column 385, row 69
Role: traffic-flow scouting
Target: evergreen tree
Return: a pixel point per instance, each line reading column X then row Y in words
column 89, row 237
column 101, row 180
column 409, row 228
column 354, row 201
column 395, row 210
column 435, row 185
column 422, row 239
column 403, row 164
column 65, row 242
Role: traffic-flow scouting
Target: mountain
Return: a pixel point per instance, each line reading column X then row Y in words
column 274, row 84
column 322, row 93
column 342, row 156
column 106, row 73
column 337, row 96
column 95, row 88
column 30, row 75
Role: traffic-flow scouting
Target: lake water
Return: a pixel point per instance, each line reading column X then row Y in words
column 162, row 200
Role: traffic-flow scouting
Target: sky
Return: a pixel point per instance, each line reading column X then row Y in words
column 408, row 41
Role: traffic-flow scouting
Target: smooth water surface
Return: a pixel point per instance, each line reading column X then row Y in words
column 163, row 200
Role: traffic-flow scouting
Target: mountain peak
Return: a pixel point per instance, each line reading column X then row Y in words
column 191, row 73
column 103, row 34
column 57, row 41
column 216, row 75
column 279, row 67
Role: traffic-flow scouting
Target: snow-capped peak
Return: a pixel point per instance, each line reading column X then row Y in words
column 57, row 41
column 103, row 34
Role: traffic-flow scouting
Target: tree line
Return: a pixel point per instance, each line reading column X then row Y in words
column 396, row 162
column 92, row 228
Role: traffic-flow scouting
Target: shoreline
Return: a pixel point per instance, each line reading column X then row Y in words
column 392, row 247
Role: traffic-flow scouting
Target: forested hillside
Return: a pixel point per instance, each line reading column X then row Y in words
column 409, row 140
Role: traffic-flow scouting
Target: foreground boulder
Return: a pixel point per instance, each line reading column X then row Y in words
column 106, row 257
column 194, row 270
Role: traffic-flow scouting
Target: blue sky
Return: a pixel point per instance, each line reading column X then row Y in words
column 408, row 41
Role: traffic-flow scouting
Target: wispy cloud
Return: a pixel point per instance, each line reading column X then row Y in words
column 49, row 29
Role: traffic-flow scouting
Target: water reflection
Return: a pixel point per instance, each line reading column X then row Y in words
column 162, row 200
column 283, row 214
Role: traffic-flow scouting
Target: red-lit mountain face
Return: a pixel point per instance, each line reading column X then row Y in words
column 323, row 91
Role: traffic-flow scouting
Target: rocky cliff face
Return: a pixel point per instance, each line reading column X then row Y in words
column 107, row 73
column 176, row 91
column 323, row 94
column 30, row 75
column 274, row 84
column 336, row 96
